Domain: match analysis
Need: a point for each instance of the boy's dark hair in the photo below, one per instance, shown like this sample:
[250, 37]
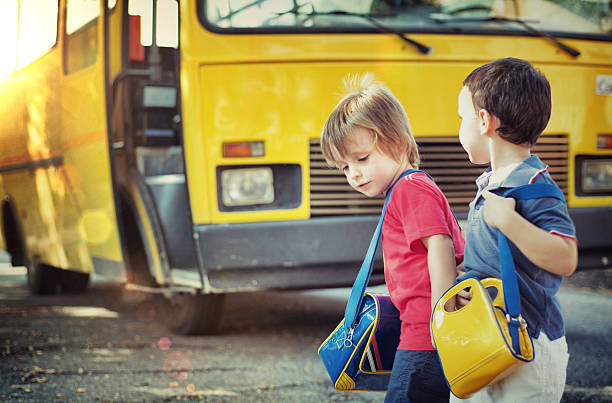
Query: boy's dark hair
[516, 93]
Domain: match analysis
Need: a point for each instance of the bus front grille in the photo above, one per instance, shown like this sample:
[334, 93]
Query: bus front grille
[442, 157]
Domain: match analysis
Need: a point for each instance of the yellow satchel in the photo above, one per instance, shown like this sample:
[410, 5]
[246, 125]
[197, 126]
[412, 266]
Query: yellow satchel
[487, 339]
[473, 360]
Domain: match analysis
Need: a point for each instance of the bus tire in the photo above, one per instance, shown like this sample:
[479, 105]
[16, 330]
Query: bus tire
[12, 232]
[188, 314]
[73, 282]
[42, 278]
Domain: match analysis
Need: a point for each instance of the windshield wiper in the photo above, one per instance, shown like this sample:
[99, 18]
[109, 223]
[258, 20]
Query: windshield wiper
[424, 49]
[444, 18]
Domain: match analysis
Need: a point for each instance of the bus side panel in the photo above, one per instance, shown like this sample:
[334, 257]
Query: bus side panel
[30, 157]
[54, 162]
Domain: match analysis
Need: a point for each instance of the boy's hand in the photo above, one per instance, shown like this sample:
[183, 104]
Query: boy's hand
[463, 297]
[497, 210]
[460, 269]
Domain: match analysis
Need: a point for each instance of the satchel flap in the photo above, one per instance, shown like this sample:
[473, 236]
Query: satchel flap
[381, 345]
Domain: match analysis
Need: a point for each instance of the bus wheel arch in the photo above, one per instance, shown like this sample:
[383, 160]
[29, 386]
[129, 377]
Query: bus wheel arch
[42, 278]
[182, 312]
[11, 230]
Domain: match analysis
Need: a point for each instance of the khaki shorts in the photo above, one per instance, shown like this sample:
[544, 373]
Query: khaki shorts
[539, 381]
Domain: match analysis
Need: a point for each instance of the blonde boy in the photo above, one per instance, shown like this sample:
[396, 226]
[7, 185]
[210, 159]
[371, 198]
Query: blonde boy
[368, 137]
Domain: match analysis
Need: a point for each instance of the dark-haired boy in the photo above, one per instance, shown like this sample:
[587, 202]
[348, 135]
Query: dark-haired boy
[504, 106]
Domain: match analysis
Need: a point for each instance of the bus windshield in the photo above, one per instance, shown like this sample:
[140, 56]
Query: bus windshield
[562, 17]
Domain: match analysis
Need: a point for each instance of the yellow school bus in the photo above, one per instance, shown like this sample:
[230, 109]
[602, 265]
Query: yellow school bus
[173, 146]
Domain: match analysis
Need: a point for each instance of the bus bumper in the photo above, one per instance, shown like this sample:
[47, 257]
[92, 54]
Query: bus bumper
[327, 252]
[594, 233]
[321, 252]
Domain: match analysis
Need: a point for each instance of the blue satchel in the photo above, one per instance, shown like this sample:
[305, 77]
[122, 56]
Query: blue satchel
[359, 353]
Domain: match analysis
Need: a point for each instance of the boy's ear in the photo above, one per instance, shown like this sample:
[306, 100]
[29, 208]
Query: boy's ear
[488, 122]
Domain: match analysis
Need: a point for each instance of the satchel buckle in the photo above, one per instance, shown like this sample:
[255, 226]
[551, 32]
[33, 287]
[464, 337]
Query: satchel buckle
[518, 319]
[348, 340]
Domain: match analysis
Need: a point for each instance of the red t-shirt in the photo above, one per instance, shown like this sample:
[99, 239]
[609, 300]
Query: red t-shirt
[417, 209]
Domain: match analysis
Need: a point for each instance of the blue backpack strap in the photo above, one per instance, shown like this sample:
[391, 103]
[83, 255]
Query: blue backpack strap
[512, 297]
[363, 277]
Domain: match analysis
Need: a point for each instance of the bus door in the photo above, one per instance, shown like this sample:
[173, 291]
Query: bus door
[147, 154]
[86, 167]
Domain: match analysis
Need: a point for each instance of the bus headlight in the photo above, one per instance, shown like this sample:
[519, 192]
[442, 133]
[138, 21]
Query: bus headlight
[596, 175]
[247, 186]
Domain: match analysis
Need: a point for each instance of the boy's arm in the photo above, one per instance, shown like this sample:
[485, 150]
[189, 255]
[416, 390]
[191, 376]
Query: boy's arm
[553, 253]
[441, 264]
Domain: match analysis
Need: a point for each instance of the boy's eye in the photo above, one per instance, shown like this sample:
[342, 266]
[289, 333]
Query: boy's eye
[344, 168]
[364, 158]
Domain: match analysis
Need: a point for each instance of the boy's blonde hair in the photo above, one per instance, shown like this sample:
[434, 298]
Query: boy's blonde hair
[370, 105]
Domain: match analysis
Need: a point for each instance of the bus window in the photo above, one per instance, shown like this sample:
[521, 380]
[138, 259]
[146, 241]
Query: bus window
[81, 34]
[143, 8]
[559, 16]
[79, 13]
[37, 29]
[166, 22]
[8, 35]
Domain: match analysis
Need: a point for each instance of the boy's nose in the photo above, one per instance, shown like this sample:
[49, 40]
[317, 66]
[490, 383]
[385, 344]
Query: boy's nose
[354, 173]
